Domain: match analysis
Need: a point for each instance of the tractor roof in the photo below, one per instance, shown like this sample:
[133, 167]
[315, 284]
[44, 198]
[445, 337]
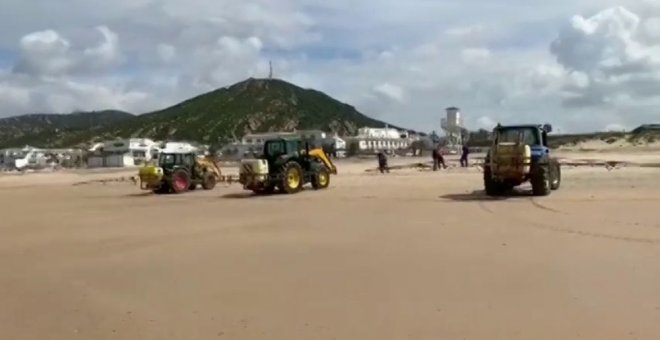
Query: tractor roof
[520, 126]
[547, 128]
[179, 150]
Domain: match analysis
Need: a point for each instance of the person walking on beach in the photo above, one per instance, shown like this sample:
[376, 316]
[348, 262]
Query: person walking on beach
[438, 159]
[382, 162]
[464, 156]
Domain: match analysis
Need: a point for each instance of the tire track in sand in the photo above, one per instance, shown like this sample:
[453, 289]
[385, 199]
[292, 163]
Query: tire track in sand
[537, 204]
[483, 206]
[522, 221]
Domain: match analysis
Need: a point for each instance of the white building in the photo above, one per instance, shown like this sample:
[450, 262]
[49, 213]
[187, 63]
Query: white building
[8, 157]
[36, 158]
[27, 157]
[122, 153]
[370, 140]
[382, 133]
[237, 151]
[317, 138]
[339, 143]
[179, 147]
[260, 138]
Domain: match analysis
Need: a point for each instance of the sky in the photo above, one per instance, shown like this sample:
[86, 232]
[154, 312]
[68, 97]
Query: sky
[581, 65]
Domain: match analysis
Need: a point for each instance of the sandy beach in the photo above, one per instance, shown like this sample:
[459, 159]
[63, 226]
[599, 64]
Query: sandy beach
[407, 255]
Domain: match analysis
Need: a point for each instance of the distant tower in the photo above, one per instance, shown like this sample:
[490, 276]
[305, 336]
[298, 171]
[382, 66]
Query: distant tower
[270, 73]
[452, 125]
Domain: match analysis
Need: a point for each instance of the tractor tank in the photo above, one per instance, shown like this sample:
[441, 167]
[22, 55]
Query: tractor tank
[252, 171]
[512, 160]
[150, 176]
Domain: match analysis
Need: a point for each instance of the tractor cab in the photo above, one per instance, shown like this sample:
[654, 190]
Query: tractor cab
[279, 148]
[278, 151]
[535, 136]
[532, 135]
[170, 161]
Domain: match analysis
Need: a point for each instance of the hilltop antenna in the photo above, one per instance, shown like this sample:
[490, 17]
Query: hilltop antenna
[270, 74]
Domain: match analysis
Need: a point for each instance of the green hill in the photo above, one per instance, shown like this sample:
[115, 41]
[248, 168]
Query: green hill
[53, 129]
[253, 105]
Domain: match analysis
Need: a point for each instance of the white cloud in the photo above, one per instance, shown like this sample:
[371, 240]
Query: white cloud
[44, 52]
[107, 52]
[47, 53]
[607, 43]
[652, 28]
[611, 61]
[485, 123]
[462, 32]
[228, 60]
[473, 55]
[615, 127]
[14, 98]
[57, 95]
[501, 60]
[390, 91]
[166, 52]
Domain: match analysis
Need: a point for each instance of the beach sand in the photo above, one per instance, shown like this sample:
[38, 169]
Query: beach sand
[407, 255]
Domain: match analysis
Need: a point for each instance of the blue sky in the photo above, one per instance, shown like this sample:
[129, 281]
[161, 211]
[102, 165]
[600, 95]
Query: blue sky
[399, 61]
[7, 58]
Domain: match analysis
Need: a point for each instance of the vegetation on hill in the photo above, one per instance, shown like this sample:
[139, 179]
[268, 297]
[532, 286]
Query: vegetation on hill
[253, 105]
[56, 129]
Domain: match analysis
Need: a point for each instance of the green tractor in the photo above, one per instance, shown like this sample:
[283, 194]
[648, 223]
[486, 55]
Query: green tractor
[520, 154]
[179, 170]
[286, 165]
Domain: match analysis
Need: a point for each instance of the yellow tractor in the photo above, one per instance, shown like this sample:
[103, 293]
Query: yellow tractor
[179, 171]
[287, 165]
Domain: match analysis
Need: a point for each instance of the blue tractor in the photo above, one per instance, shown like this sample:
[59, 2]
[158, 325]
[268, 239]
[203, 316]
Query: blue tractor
[519, 154]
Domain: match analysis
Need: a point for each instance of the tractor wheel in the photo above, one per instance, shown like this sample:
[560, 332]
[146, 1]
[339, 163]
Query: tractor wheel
[491, 187]
[292, 178]
[208, 181]
[540, 181]
[556, 177]
[321, 179]
[180, 181]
